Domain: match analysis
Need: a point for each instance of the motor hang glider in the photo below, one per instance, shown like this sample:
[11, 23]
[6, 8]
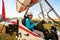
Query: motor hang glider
[23, 32]
[21, 28]
[22, 5]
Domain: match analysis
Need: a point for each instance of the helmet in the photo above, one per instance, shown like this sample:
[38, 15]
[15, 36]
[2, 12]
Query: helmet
[29, 14]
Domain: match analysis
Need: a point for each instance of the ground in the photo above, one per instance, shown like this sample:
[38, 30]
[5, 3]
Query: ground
[4, 36]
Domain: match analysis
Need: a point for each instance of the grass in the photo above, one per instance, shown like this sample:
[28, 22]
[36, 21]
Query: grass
[4, 36]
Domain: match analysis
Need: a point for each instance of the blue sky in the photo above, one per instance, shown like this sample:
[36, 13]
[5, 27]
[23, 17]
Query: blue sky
[10, 7]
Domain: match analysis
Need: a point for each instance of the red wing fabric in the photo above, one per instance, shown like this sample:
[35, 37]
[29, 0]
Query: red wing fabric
[3, 11]
[22, 8]
[33, 1]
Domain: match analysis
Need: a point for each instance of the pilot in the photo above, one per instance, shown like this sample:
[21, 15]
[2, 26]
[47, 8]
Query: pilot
[30, 25]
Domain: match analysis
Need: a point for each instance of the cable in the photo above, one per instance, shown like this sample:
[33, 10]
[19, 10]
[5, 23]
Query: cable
[2, 29]
[41, 8]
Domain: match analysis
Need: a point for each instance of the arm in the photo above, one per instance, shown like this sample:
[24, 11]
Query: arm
[28, 25]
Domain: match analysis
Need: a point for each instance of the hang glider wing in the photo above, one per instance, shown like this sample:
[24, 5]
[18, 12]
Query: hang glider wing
[22, 5]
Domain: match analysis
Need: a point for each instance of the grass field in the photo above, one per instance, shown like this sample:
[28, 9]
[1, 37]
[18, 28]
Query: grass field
[4, 36]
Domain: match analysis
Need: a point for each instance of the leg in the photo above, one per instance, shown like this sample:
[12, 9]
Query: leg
[39, 32]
